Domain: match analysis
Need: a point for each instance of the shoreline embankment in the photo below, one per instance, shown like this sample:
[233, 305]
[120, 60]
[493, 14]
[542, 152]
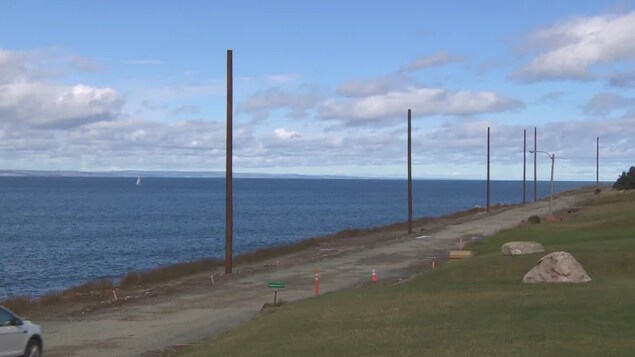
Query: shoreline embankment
[135, 279]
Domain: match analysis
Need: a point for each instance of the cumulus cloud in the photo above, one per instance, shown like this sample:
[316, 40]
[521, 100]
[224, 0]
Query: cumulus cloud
[603, 104]
[27, 99]
[433, 60]
[567, 50]
[40, 104]
[422, 101]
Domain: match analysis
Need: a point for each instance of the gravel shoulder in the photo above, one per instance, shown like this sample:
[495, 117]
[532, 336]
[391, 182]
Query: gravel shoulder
[194, 308]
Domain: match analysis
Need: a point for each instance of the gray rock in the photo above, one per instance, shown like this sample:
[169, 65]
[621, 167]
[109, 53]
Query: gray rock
[521, 248]
[557, 267]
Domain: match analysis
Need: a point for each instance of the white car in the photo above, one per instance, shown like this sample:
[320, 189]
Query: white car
[18, 337]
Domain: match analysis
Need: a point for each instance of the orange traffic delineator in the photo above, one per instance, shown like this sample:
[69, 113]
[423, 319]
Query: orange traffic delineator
[317, 281]
[373, 276]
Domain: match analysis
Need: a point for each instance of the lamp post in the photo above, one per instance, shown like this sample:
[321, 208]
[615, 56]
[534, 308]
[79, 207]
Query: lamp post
[552, 156]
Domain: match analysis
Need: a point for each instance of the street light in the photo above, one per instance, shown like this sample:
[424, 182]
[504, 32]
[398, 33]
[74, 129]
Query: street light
[553, 159]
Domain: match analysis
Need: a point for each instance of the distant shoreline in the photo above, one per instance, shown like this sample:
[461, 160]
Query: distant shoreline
[237, 175]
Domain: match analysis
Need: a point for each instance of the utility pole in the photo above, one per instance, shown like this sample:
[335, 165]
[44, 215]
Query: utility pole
[229, 199]
[409, 171]
[488, 183]
[597, 161]
[524, 166]
[535, 164]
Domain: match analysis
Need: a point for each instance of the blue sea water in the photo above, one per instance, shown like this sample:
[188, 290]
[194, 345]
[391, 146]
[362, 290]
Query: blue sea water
[59, 231]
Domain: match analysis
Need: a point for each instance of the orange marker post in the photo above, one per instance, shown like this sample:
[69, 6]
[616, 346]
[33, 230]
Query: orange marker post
[373, 276]
[317, 281]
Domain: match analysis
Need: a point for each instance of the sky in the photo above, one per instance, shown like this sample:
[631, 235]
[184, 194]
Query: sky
[320, 87]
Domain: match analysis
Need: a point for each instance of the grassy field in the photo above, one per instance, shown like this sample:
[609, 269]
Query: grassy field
[474, 307]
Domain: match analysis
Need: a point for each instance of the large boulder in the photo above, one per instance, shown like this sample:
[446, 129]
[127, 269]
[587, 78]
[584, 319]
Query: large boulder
[521, 248]
[557, 267]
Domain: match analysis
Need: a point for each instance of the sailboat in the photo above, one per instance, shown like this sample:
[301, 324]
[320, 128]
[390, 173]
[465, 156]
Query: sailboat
[138, 180]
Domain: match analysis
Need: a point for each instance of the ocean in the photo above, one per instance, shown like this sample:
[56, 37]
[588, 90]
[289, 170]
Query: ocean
[56, 232]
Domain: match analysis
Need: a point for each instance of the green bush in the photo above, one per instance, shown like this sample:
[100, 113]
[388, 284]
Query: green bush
[533, 219]
[626, 181]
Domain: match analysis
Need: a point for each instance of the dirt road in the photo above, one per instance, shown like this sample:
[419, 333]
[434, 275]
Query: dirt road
[201, 309]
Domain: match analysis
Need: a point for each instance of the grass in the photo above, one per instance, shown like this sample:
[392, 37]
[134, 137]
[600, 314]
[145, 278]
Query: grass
[474, 307]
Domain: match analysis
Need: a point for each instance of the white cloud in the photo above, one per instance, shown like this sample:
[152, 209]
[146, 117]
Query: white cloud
[422, 101]
[27, 99]
[570, 48]
[39, 104]
[286, 134]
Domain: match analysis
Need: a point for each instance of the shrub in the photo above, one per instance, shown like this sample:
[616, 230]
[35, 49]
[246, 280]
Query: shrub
[626, 181]
[533, 219]
[597, 191]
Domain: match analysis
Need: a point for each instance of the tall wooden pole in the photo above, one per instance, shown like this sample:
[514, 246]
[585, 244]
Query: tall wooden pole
[229, 199]
[597, 161]
[409, 171]
[524, 166]
[488, 183]
[535, 164]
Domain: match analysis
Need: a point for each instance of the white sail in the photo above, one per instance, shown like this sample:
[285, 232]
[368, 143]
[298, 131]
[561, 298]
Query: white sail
[138, 180]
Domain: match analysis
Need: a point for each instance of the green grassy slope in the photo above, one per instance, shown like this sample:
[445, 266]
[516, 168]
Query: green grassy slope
[474, 307]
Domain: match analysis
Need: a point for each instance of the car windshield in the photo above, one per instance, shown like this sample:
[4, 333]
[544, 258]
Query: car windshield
[5, 317]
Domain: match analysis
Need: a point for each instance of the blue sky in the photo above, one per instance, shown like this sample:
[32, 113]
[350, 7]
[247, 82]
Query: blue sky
[320, 87]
